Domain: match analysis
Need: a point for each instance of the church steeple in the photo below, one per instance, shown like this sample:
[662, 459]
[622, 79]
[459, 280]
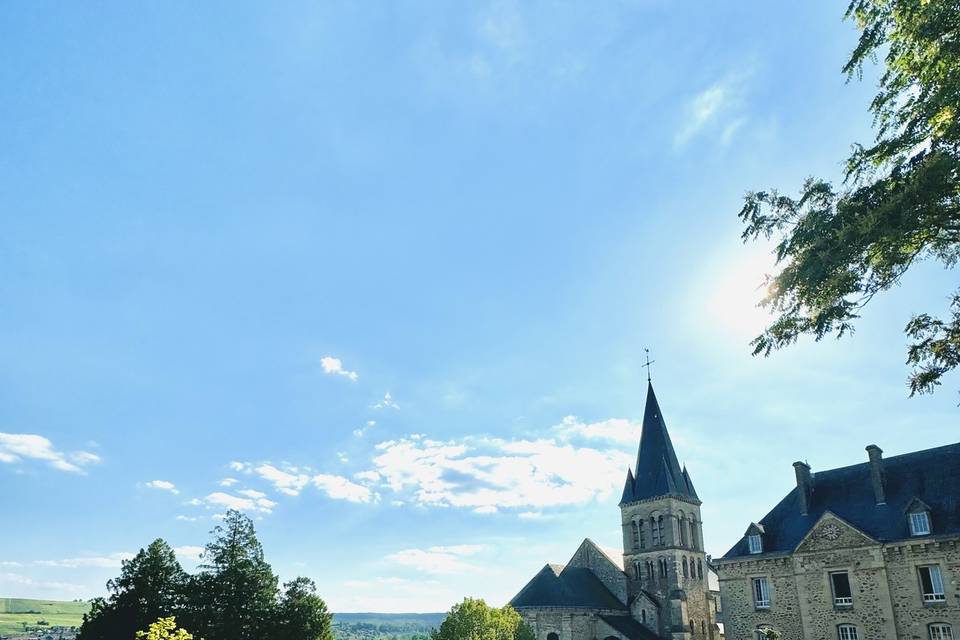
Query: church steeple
[658, 471]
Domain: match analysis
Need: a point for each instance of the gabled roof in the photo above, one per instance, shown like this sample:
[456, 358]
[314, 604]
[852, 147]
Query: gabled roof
[573, 587]
[658, 471]
[630, 628]
[932, 476]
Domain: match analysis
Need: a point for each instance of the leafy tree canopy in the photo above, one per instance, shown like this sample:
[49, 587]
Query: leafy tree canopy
[164, 629]
[899, 203]
[473, 619]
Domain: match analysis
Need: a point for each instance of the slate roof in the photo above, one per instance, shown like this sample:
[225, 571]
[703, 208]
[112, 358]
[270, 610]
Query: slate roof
[574, 587]
[658, 472]
[932, 475]
[630, 627]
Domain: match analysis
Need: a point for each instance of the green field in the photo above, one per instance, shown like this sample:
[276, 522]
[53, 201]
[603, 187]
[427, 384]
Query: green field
[15, 611]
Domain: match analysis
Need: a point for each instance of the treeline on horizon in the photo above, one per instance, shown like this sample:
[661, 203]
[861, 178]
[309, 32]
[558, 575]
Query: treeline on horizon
[234, 596]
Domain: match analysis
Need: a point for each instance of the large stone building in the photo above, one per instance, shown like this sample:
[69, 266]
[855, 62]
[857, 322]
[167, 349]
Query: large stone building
[661, 589]
[869, 551]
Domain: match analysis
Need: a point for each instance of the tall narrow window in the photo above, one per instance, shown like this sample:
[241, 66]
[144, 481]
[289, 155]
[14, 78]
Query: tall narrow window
[683, 531]
[693, 534]
[654, 532]
[634, 529]
[636, 569]
[754, 543]
[699, 568]
[663, 568]
[847, 632]
[920, 523]
[761, 593]
[931, 584]
[940, 631]
[643, 616]
[842, 594]
[660, 530]
[650, 573]
[640, 534]
[683, 562]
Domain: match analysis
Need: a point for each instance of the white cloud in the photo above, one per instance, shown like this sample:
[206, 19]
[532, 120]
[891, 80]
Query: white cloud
[252, 493]
[438, 560]
[362, 430]
[189, 552]
[387, 402]
[618, 430]
[16, 447]
[333, 366]
[367, 476]
[110, 561]
[184, 518]
[219, 499]
[163, 485]
[285, 482]
[713, 108]
[228, 482]
[342, 457]
[340, 488]
[242, 467]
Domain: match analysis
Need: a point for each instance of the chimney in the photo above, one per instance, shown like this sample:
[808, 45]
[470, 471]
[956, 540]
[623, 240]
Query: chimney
[804, 485]
[876, 473]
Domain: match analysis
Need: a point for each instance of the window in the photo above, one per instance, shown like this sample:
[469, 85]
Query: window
[552, 636]
[693, 534]
[753, 542]
[703, 627]
[940, 631]
[931, 584]
[654, 532]
[650, 570]
[636, 569]
[683, 563]
[761, 632]
[635, 533]
[699, 569]
[761, 593]
[643, 616]
[842, 595]
[691, 626]
[660, 530]
[919, 524]
[663, 567]
[683, 530]
[643, 541]
[847, 632]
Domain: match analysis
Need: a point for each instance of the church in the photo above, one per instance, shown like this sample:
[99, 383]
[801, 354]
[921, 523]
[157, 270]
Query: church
[662, 586]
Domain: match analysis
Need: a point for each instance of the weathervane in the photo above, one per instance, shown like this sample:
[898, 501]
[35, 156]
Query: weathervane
[649, 362]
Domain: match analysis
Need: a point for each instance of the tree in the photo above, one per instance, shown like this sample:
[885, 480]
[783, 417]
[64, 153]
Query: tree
[302, 614]
[164, 629]
[236, 592]
[473, 619]
[150, 586]
[899, 203]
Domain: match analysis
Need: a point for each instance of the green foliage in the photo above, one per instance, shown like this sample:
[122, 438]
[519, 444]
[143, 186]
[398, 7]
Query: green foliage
[164, 629]
[473, 619]
[234, 597]
[900, 201]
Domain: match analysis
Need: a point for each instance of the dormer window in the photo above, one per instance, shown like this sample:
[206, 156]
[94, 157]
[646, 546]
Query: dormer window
[920, 523]
[754, 544]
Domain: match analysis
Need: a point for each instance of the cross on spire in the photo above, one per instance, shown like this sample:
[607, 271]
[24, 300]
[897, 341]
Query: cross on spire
[649, 362]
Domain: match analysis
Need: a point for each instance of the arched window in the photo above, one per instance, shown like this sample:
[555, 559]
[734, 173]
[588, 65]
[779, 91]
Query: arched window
[663, 567]
[691, 626]
[940, 631]
[635, 535]
[683, 563]
[654, 532]
[847, 632]
[693, 533]
[643, 616]
[660, 530]
[682, 522]
[643, 538]
[703, 627]
[636, 569]
[699, 568]
[761, 632]
[650, 572]
[552, 636]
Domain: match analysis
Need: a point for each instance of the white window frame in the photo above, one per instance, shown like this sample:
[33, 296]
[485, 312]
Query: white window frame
[940, 631]
[837, 600]
[847, 632]
[936, 581]
[754, 543]
[920, 523]
[761, 593]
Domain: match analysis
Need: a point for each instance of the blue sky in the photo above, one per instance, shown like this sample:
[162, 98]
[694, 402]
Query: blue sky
[382, 276]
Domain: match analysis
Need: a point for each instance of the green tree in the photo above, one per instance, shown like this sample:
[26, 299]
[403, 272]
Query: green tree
[473, 619]
[302, 614]
[837, 247]
[235, 596]
[150, 586]
[164, 629]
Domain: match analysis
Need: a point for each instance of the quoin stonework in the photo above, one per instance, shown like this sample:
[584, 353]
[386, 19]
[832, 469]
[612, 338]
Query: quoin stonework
[865, 552]
[660, 587]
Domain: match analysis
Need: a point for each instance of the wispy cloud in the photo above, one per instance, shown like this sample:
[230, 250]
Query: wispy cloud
[163, 485]
[362, 430]
[109, 561]
[438, 560]
[333, 366]
[715, 109]
[189, 552]
[340, 488]
[219, 499]
[386, 403]
[18, 447]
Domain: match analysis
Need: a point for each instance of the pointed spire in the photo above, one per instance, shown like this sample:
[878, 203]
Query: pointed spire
[658, 471]
[627, 495]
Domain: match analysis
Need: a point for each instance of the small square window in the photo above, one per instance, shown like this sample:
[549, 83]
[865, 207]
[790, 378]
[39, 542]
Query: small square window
[842, 594]
[919, 524]
[754, 544]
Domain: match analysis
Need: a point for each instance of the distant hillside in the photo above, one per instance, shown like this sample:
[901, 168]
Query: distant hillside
[373, 626]
[17, 612]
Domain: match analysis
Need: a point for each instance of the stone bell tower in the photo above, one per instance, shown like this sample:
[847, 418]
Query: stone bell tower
[663, 536]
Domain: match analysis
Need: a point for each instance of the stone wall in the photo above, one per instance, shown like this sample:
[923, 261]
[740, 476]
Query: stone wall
[911, 614]
[740, 615]
[568, 624]
[589, 556]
